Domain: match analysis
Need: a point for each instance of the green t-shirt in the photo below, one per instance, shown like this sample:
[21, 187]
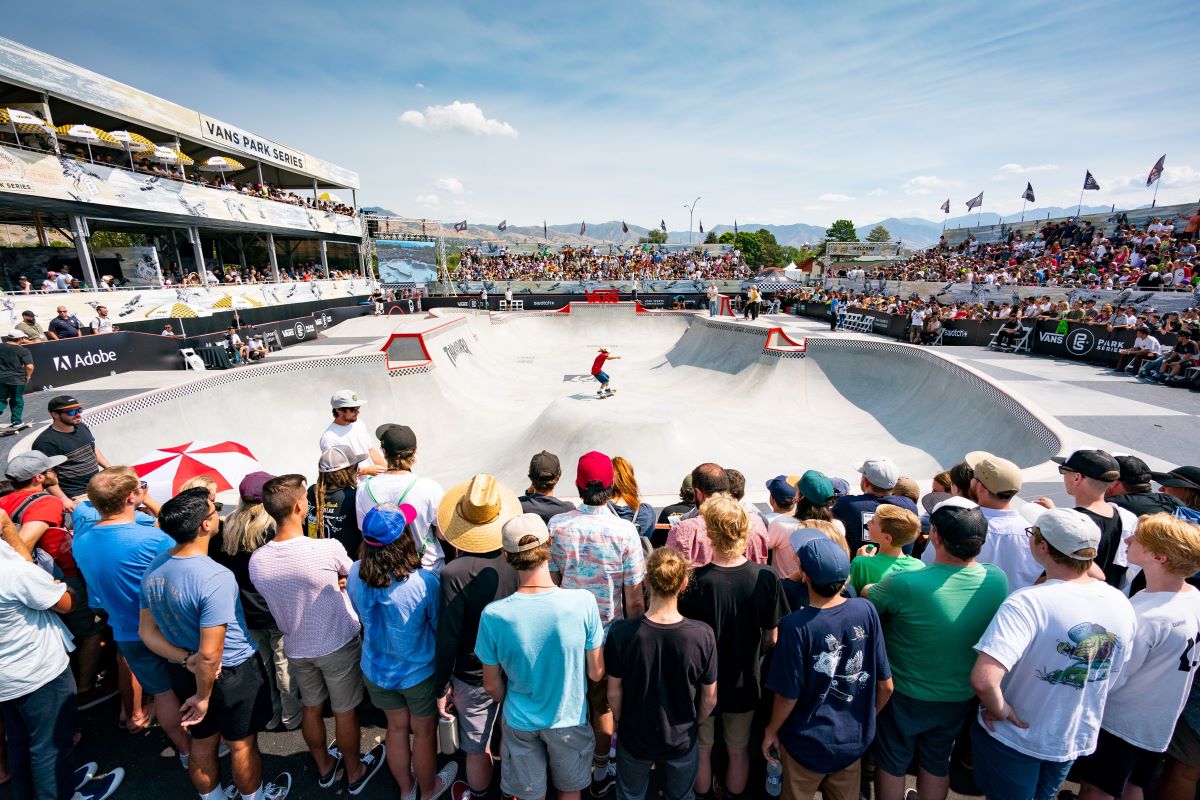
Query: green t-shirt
[932, 619]
[866, 570]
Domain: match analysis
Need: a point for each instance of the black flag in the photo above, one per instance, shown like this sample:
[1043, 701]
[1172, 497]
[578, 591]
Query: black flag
[663, 225]
[582, 228]
[946, 205]
[502, 226]
[735, 227]
[460, 226]
[702, 226]
[1156, 170]
[422, 227]
[545, 230]
[1028, 195]
[624, 227]
[1089, 183]
[975, 202]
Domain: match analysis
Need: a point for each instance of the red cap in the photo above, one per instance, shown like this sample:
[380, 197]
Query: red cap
[594, 466]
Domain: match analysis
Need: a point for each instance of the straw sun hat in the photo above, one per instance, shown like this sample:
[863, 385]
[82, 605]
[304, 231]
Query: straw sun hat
[472, 513]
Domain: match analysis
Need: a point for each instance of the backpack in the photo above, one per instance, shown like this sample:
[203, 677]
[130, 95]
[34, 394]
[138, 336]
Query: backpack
[1188, 515]
[40, 557]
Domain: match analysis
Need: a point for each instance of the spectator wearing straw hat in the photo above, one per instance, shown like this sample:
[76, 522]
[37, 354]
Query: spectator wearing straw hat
[471, 514]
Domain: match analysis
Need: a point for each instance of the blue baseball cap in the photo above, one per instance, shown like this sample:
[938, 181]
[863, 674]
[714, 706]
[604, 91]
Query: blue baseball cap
[781, 490]
[386, 523]
[823, 561]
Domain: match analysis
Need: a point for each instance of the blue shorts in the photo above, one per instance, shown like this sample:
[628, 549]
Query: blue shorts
[601, 376]
[149, 668]
[1003, 773]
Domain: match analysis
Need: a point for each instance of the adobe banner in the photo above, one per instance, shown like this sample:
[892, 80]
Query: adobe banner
[67, 361]
[30, 173]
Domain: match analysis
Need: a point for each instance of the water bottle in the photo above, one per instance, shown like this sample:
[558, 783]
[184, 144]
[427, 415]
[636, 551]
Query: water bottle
[774, 778]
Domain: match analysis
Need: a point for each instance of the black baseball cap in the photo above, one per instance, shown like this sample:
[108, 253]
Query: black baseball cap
[1134, 471]
[1095, 464]
[396, 438]
[544, 466]
[1179, 478]
[63, 402]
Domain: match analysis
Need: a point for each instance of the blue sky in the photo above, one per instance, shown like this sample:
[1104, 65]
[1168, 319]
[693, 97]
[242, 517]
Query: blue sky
[770, 112]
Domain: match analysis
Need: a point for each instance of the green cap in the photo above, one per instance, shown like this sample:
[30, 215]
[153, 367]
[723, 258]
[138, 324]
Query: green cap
[815, 487]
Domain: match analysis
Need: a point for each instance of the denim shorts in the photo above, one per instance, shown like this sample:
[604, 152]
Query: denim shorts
[1003, 773]
[149, 668]
[601, 376]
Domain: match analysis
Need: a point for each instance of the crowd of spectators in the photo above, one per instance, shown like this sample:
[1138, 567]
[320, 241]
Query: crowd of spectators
[843, 630]
[639, 263]
[1159, 256]
[148, 166]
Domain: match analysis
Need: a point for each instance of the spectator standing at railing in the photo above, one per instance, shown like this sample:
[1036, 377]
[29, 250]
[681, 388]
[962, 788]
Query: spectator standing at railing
[16, 368]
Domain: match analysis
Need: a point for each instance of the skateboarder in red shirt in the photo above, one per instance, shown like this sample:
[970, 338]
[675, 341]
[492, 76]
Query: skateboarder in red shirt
[599, 374]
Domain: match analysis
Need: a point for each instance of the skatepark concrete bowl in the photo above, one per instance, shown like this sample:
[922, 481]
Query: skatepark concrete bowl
[485, 392]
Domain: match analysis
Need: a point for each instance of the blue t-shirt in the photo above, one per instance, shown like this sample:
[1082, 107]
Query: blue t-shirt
[113, 560]
[187, 594]
[85, 516]
[399, 627]
[829, 660]
[539, 641]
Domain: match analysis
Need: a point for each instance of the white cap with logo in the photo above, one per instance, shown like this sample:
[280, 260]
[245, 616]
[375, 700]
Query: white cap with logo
[346, 398]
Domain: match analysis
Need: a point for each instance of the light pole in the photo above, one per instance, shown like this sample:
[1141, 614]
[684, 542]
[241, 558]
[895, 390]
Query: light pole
[691, 212]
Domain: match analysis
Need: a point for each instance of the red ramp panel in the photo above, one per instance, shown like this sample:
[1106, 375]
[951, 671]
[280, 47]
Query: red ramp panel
[411, 348]
[780, 343]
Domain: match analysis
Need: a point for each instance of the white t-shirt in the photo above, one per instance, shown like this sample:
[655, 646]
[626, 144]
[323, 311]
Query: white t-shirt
[1007, 547]
[33, 641]
[917, 317]
[1149, 695]
[424, 495]
[353, 435]
[1063, 644]
[102, 325]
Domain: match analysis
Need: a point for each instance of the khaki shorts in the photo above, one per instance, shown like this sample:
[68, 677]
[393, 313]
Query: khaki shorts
[566, 753]
[597, 695]
[735, 727]
[336, 677]
[418, 699]
[799, 782]
[477, 714]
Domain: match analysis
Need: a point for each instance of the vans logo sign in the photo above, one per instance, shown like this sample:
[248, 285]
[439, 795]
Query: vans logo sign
[90, 359]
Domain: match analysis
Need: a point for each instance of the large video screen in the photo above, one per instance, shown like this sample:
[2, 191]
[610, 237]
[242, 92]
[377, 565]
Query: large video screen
[406, 262]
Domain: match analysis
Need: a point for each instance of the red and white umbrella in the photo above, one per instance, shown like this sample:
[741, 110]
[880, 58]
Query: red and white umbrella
[165, 470]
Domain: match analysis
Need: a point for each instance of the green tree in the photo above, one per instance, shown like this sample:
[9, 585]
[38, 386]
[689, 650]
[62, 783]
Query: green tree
[879, 234]
[114, 239]
[842, 230]
[751, 247]
[654, 236]
[725, 238]
[711, 238]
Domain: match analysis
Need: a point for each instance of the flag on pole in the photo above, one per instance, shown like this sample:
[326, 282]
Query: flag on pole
[1157, 170]
[663, 225]
[1089, 183]
[946, 206]
[624, 227]
[460, 226]
[502, 226]
[582, 228]
[702, 226]
[422, 227]
[1028, 195]
[545, 230]
[975, 202]
[735, 227]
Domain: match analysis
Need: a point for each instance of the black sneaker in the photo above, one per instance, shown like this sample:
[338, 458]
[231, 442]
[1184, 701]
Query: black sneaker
[372, 761]
[602, 787]
[102, 787]
[85, 773]
[278, 789]
[329, 778]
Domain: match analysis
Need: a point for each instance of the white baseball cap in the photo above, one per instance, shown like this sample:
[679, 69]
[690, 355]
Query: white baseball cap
[1069, 531]
[346, 398]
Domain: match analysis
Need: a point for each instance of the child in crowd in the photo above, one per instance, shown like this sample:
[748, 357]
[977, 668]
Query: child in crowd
[890, 530]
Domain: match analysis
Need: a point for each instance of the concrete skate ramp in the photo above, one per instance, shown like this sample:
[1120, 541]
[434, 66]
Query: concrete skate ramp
[495, 390]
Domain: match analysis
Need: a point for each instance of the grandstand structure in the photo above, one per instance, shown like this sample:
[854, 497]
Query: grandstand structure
[81, 153]
[1138, 217]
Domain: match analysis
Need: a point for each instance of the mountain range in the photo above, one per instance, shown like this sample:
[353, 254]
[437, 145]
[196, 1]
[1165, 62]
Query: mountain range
[913, 232]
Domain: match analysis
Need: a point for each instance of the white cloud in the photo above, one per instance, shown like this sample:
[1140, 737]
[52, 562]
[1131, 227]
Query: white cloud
[428, 199]
[924, 184]
[418, 86]
[1180, 176]
[876, 193]
[451, 185]
[1017, 169]
[834, 198]
[458, 117]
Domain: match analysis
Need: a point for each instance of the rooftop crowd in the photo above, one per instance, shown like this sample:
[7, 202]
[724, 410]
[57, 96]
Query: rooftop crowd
[847, 629]
[1158, 256]
[105, 157]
